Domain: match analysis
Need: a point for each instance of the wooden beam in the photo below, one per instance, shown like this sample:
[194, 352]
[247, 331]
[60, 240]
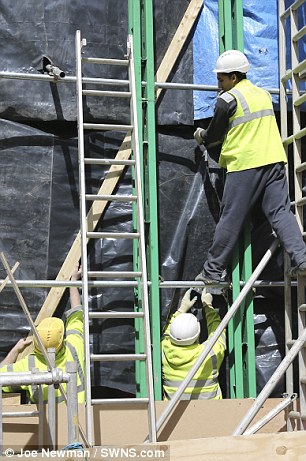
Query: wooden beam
[178, 41]
[286, 446]
[55, 294]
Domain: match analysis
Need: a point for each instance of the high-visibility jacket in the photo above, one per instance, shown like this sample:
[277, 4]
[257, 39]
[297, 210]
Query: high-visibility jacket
[178, 360]
[253, 138]
[71, 351]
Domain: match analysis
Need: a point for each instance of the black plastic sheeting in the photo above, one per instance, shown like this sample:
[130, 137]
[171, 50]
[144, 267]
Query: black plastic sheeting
[39, 177]
[40, 220]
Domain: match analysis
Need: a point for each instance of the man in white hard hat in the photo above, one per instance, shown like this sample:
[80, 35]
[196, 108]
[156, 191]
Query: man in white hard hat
[254, 158]
[181, 348]
[52, 333]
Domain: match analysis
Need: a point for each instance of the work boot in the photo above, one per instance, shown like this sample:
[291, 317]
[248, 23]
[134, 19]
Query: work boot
[214, 285]
[299, 270]
[202, 277]
[208, 280]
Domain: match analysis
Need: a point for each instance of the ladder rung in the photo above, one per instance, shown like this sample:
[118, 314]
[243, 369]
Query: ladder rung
[109, 94]
[113, 274]
[113, 235]
[140, 400]
[301, 202]
[116, 357]
[113, 62]
[106, 161]
[115, 315]
[107, 127]
[112, 198]
[291, 342]
[19, 414]
[297, 415]
[294, 415]
[301, 167]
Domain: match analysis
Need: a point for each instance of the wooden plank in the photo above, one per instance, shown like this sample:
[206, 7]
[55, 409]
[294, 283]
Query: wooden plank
[290, 446]
[285, 446]
[186, 422]
[55, 293]
[178, 41]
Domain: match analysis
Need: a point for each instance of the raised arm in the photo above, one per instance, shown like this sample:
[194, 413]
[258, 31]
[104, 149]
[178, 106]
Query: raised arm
[15, 351]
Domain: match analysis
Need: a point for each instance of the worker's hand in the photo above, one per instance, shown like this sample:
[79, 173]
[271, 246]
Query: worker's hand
[22, 344]
[186, 302]
[206, 298]
[77, 273]
[197, 135]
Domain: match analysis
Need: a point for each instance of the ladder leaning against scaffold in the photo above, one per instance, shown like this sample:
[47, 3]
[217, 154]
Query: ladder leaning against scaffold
[138, 235]
[292, 33]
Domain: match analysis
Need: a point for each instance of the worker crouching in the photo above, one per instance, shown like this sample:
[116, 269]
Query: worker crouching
[181, 349]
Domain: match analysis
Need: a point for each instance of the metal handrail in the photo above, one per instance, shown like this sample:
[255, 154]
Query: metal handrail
[268, 388]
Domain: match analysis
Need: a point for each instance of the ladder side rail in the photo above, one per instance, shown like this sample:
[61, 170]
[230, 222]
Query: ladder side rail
[72, 407]
[284, 135]
[83, 227]
[285, 403]
[51, 405]
[142, 249]
[213, 339]
[298, 181]
[269, 386]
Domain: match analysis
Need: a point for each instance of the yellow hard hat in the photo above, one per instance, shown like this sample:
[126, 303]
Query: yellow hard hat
[51, 333]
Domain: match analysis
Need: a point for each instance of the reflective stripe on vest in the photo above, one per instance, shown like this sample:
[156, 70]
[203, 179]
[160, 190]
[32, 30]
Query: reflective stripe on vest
[74, 354]
[248, 116]
[74, 332]
[193, 383]
[216, 394]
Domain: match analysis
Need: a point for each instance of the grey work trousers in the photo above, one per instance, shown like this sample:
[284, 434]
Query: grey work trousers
[243, 189]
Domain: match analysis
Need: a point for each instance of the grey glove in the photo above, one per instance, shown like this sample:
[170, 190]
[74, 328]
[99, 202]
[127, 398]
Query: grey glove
[187, 303]
[206, 298]
[197, 135]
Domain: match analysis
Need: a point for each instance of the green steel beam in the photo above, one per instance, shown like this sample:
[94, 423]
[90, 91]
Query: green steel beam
[237, 24]
[141, 27]
[150, 181]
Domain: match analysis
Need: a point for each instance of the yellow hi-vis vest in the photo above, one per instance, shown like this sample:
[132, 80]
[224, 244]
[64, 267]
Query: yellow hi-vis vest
[253, 138]
[72, 351]
[178, 360]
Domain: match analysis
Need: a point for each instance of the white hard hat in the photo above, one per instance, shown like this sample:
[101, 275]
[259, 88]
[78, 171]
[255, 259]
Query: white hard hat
[184, 330]
[231, 61]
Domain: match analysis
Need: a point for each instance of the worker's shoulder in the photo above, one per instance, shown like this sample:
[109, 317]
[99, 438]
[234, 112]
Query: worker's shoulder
[78, 310]
[225, 97]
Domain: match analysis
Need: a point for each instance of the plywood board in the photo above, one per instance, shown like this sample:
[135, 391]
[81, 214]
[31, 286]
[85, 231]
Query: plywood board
[128, 424]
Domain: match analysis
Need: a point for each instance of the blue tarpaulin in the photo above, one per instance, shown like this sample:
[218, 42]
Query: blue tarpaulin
[260, 24]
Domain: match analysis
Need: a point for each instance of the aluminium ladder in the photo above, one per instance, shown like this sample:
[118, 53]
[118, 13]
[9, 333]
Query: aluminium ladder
[290, 27]
[138, 236]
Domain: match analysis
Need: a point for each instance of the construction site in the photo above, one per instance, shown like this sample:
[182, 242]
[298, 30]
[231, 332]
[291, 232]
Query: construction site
[108, 212]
